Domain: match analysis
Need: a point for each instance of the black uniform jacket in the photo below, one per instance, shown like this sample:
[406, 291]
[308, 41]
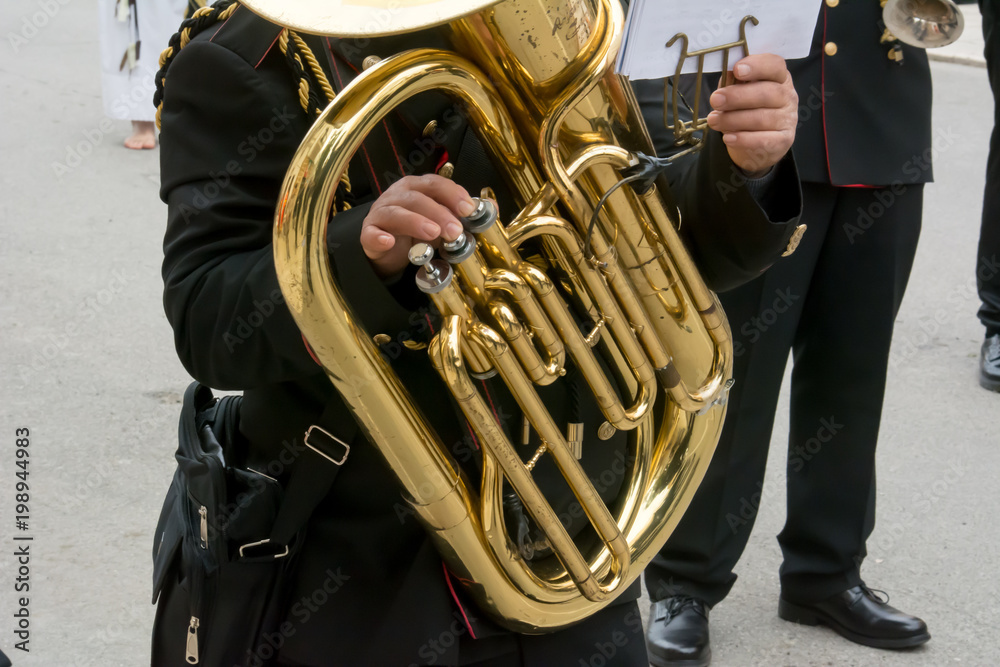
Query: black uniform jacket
[852, 96]
[231, 123]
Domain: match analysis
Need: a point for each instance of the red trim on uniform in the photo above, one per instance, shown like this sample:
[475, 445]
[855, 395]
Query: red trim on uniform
[371, 168]
[238, 7]
[344, 60]
[472, 433]
[440, 163]
[310, 350]
[364, 151]
[822, 60]
[826, 138]
[486, 390]
[465, 617]
[276, 38]
[859, 185]
[385, 126]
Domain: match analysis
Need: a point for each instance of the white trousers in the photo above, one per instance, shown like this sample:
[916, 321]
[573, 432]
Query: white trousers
[128, 93]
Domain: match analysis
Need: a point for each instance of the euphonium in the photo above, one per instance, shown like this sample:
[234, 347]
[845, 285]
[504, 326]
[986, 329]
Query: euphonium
[535, 79]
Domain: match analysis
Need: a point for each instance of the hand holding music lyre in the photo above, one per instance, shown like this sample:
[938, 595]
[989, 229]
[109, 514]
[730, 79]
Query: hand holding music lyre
[758, 117]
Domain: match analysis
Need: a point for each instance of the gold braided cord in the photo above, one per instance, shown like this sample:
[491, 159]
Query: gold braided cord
[186, 35]
[304, 93]
[165, 55]
[193, 6]
[321, 80]
[327, 89]
[185, 38]
[317, 71]
[303, 82]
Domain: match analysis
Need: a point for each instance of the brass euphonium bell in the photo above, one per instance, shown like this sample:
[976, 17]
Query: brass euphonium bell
[925, 24]
[535, 79]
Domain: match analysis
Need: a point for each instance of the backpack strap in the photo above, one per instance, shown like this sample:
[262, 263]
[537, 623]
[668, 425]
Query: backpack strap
[310, 482]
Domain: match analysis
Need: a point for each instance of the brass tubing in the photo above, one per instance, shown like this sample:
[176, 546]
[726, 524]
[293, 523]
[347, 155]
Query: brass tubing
[472, 274]
[352, 361]
[708, 306]
[595, 509]
[514, 333]
[598, 289]
[504, 280]
[541, 203]
[480, 282]
[477, 412]
[595, 377]
[703, 299]
[588, 78]
[450, 301]
[672, 448]
[630, 302]
[496, 245]
[618, 158]
[598, 62]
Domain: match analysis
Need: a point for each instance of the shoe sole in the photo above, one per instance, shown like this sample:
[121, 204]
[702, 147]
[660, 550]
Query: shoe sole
[661, 662]
[987, 382]
[803, 616]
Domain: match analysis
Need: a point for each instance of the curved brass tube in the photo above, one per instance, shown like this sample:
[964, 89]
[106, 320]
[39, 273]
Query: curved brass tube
[670, 448]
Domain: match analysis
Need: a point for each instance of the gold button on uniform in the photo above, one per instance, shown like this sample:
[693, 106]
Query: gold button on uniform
[832, 3]
[370, 61]
[430, 128]
[830, 49]
[447, 170]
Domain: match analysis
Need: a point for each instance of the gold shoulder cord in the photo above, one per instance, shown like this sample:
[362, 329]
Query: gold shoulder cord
[297, 53]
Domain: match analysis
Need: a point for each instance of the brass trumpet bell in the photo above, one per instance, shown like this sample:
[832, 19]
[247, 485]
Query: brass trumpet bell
[925, 24]
[365, 18]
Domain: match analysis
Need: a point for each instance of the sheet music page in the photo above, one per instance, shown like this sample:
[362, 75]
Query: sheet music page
[786, 28]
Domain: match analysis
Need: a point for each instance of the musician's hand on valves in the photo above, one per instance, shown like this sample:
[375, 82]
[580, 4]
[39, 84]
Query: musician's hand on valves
[758, 117]
[413, 209]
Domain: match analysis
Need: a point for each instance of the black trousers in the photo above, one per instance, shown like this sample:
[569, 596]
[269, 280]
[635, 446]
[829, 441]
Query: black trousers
[833, 304]
[987, 267]
[613, 637]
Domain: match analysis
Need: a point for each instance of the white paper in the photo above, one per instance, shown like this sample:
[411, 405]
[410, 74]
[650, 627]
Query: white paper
[786, 29]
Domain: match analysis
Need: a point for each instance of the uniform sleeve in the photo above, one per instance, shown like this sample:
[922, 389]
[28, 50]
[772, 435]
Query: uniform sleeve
[229, 132]
[733, 235]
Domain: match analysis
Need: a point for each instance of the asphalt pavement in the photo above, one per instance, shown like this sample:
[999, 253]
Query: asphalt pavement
[88, 368]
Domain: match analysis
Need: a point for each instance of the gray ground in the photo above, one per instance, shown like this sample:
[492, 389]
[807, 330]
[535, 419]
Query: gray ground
[88, 366]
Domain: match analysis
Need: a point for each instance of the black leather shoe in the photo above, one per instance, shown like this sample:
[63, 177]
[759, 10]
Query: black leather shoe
[989, 364]
[677, 635]
[861, 616]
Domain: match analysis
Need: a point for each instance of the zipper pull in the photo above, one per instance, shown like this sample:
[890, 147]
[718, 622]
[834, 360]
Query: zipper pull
[192, 641]
[203, 512]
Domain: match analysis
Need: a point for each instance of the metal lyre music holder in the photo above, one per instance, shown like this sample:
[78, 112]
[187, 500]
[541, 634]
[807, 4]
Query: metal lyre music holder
[685, 131]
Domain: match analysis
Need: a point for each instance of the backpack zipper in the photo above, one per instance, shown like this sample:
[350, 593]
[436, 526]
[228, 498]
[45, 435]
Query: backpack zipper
[192, 641]
[203, 513]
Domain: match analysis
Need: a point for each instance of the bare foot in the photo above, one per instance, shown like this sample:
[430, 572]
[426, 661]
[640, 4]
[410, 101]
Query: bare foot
[143, 135]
